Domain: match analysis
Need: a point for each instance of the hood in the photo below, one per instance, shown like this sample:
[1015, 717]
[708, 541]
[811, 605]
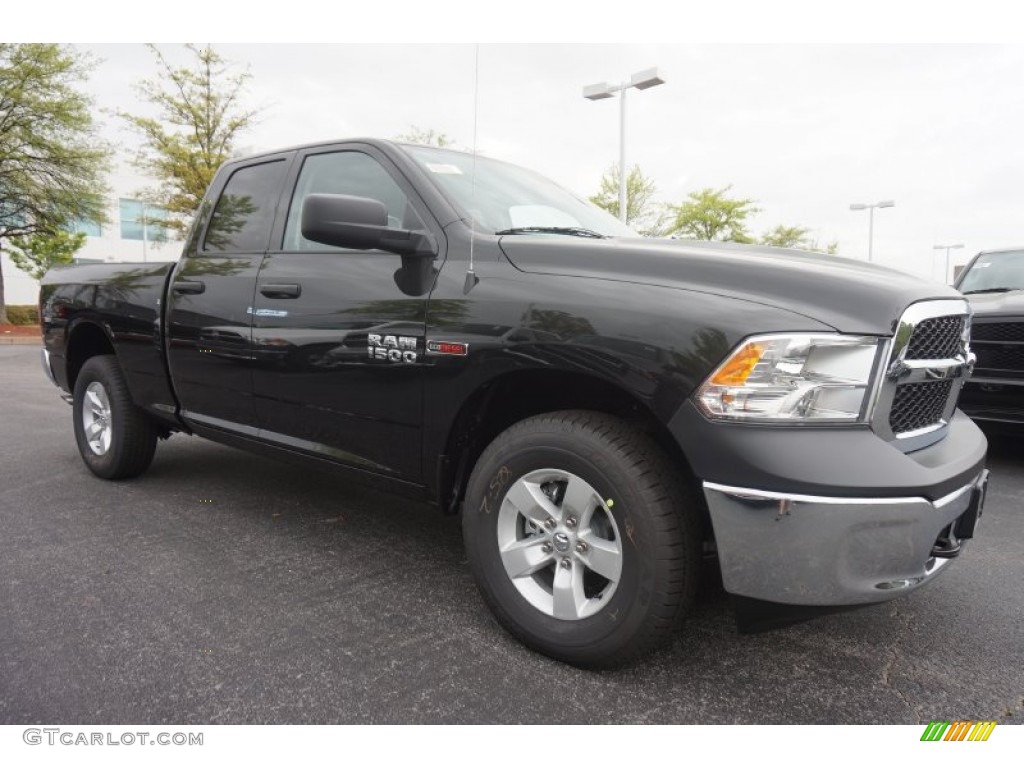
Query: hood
[1009, 303]
[851, 296]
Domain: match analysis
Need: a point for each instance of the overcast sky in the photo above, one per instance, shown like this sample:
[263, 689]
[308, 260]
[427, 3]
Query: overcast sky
[804, 130]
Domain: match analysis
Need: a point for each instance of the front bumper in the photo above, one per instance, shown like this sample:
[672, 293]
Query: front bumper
[828, 516]
[830, 551]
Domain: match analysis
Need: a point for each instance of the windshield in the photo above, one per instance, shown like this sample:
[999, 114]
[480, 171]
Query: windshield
[507, 197]
[994, 271]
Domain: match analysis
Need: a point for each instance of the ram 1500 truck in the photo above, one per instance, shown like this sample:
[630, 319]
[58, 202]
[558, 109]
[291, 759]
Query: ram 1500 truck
[994, 284]
[604, 410]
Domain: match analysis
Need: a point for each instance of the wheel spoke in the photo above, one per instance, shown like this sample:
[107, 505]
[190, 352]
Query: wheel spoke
[91, 430]
[523, 557]
[531, 503]
[602, 556]
[94, 399]
[567, 592]
[579, 498]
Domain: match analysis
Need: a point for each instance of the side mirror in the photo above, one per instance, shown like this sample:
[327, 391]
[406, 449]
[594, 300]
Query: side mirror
[361, 223]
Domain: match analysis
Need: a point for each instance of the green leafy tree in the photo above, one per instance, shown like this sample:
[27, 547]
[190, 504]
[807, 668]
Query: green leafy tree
[200, 118]
[52, 163]
[39, 251]
[785, 237]
[796, 237]
[642, 212]
[417, 135]
[830, 248]
[711, 215]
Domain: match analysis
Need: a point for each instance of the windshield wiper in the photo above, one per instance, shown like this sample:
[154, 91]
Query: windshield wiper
[574, 231]
[992, 290]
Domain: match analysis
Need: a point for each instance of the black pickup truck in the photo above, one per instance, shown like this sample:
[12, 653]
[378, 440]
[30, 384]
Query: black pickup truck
[605, 411]
[994, 284]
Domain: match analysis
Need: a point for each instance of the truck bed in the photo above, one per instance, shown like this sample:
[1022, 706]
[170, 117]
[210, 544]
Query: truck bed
[126, 300]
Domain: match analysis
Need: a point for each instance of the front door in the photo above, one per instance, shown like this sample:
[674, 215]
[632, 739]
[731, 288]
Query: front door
[338, 335]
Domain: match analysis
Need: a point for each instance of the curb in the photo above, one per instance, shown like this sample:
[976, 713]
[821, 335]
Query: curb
[12, 341]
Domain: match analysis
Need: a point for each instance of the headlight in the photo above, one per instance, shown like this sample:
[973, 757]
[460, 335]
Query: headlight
[796, 378]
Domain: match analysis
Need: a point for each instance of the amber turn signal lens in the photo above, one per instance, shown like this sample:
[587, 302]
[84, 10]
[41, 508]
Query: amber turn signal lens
[737, 368]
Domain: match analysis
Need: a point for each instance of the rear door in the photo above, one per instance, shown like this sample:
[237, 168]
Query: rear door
[338, 335]
[209, 313]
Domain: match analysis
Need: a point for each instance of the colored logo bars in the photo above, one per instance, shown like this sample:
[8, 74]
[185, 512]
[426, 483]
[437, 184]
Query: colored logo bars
[958, 730]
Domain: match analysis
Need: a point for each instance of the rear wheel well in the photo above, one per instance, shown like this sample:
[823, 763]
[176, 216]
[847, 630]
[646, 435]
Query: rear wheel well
[87, 340]
[516, 396]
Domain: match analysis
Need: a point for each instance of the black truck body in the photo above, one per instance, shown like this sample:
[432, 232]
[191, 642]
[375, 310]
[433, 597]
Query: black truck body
[437, 351]
[994, 284]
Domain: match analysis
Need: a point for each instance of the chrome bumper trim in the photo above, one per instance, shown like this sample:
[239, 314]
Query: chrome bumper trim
[44, 355]
[824, 550]
[45, 358]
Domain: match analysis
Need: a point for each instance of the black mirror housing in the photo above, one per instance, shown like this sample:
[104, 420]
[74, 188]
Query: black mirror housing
[345, 221]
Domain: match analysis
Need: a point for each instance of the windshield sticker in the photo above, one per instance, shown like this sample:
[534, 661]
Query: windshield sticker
[444, 168]
[983, 264]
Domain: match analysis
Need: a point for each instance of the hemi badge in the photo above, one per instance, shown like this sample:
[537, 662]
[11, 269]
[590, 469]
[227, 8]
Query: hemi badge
[448, 348]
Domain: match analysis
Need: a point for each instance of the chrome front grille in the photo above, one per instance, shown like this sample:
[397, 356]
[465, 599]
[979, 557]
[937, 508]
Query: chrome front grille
[929, 359]
[916, 406]
[937, 338]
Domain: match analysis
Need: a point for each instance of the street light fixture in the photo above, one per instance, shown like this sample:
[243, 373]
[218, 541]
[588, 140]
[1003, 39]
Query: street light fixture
[871, 217]
[947, 248]
[648, 78]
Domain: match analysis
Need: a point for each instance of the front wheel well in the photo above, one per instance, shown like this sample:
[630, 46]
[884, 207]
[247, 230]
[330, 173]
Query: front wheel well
[509, 399]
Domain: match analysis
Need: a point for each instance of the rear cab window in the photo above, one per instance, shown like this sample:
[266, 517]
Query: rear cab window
[244, 214]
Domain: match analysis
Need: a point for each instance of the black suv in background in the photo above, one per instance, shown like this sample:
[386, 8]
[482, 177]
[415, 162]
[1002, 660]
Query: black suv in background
[994, 284]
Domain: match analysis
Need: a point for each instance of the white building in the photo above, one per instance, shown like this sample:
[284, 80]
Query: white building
[129, 234]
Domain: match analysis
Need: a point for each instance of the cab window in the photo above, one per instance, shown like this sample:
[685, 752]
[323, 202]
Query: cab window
[346, 173]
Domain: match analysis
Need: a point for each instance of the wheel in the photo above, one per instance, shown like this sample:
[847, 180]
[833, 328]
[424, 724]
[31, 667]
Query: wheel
[115, 438]
[581, 540]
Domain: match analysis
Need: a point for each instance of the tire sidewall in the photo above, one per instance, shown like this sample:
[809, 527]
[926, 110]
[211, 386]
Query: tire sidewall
[629, 607]
[97, 369]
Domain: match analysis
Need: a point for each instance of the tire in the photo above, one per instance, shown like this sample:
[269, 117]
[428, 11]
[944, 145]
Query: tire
[116, 439]
[590, 608]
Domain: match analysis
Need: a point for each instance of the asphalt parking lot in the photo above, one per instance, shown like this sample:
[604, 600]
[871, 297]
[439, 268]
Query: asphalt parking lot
[226, 588]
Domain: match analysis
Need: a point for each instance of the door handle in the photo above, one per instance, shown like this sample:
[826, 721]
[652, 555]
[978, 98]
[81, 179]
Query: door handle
[189, 286]
[281, 290]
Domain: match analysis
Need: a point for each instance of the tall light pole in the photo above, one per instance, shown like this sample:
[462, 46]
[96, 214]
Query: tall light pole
[948, 248]
[871, 217]
[641, 81]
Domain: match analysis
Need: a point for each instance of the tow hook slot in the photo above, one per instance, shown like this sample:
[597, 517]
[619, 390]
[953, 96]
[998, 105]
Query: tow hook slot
[952, 537]
[947, 545]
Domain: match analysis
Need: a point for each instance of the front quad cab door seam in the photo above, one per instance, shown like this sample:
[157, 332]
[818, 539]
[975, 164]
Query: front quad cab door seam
[581, 540]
